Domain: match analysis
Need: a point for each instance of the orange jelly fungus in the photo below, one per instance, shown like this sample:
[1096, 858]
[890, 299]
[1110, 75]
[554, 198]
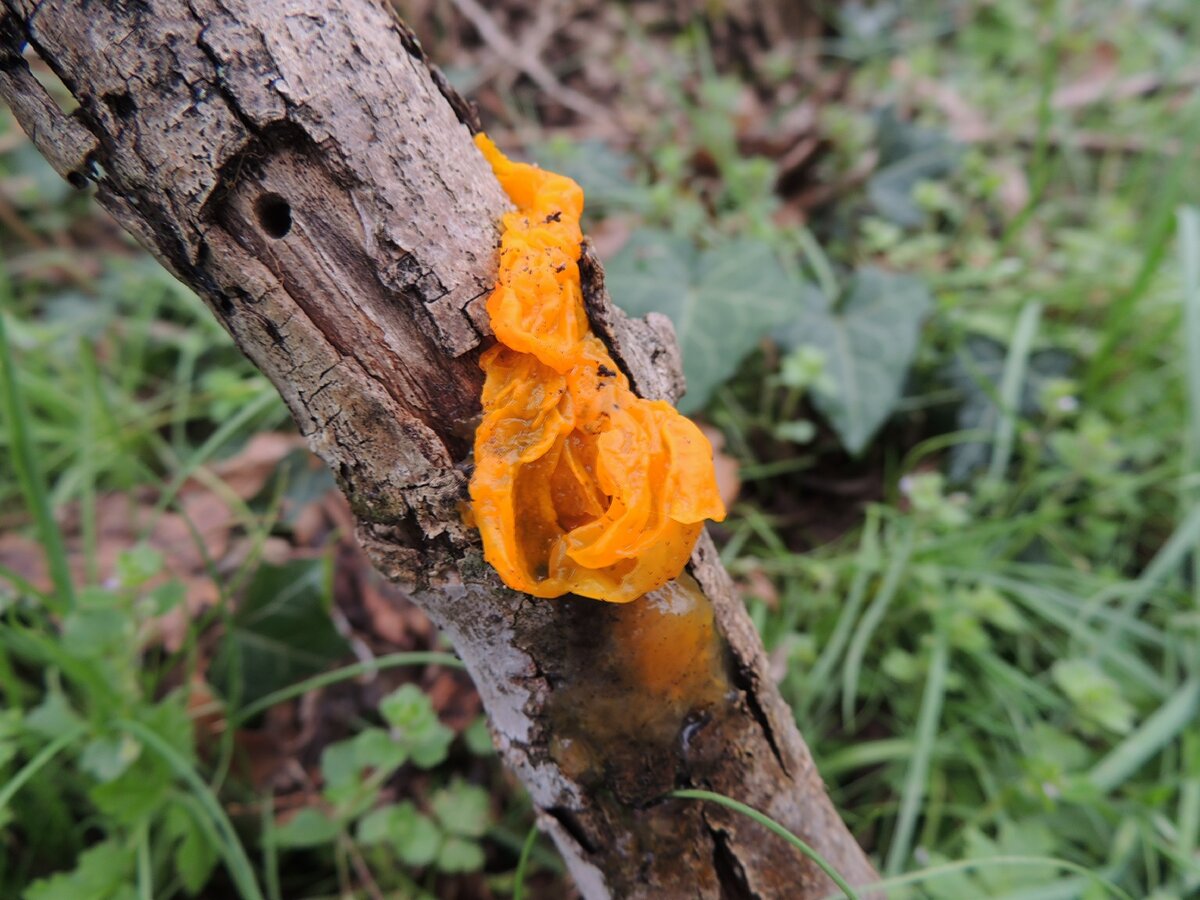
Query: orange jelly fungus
[580, 486]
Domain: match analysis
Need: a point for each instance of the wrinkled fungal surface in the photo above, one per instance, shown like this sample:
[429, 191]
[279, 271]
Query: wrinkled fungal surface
[580, 486]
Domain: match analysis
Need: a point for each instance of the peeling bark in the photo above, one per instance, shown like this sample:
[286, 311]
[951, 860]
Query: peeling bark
[312, 177]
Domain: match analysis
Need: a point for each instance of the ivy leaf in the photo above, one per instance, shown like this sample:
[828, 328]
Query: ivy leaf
[299, 481]
[723, 300]
[869, 336]
[281, 632]
[908, 154]
[600, 170]
[975, 372]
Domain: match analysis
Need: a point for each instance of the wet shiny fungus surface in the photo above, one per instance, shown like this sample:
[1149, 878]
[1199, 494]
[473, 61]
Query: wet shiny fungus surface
[580, 486]
[640, 684]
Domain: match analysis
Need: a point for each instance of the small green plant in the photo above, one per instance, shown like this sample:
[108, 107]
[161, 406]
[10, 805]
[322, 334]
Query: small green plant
[108, 787]
[394, 836]
[98, 735]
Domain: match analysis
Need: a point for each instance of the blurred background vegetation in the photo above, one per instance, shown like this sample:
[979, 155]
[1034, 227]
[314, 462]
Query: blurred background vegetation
[935, 270]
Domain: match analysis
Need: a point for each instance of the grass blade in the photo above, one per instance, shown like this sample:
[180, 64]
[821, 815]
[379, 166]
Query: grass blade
[965, 865]
[28, 473]
[270, 850]
[864, 568]
[870, 621]
[35, 765]
[1011, 382]
[145, 869]
[392, 660]
[770, 824]
[232, 851]
[523, 863]
[1189, 264]
[918, 769]
[1165, 562]
[1155, 733]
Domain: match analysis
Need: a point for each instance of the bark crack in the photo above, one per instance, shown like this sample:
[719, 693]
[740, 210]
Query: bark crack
[746, 681]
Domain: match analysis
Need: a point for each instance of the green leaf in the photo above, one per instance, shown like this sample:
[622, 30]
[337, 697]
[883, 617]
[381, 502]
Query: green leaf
[463, 809]
[376, 826]
[1096, 696]
[339, 765]
[140, 790]
[415, 837]
[376, 749]
[431, 747]
[869, 335]
[280, 633]
[301, 482]
[908, 155]
[599, 170]
[165, 597]
[138, 565]
[308, 828]
[96, 597]
[102, 872]
[105, 758]
[53, 717]
[478, 738]
[975, 373]
[415, 725]
[459, 855]
[799, 431]
[1030, 839]
[194, 855]
[723, 301]
[135, 794]
[97, 633]
[408, 709]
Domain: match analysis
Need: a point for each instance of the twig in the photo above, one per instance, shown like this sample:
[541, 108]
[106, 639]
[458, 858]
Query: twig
[530, 63]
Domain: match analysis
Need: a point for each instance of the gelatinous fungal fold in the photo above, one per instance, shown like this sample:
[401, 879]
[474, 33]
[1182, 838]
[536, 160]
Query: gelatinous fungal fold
[580, 486]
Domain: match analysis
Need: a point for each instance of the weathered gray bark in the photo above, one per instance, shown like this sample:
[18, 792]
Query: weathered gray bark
[300, 165]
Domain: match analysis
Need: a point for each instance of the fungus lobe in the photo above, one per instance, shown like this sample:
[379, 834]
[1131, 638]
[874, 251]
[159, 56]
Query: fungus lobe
[580, 486]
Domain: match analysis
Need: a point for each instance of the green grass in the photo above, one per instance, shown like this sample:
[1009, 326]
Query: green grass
[989, 628]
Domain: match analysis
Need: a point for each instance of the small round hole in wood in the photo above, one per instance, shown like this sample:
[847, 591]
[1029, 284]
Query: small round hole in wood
[274, 215]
